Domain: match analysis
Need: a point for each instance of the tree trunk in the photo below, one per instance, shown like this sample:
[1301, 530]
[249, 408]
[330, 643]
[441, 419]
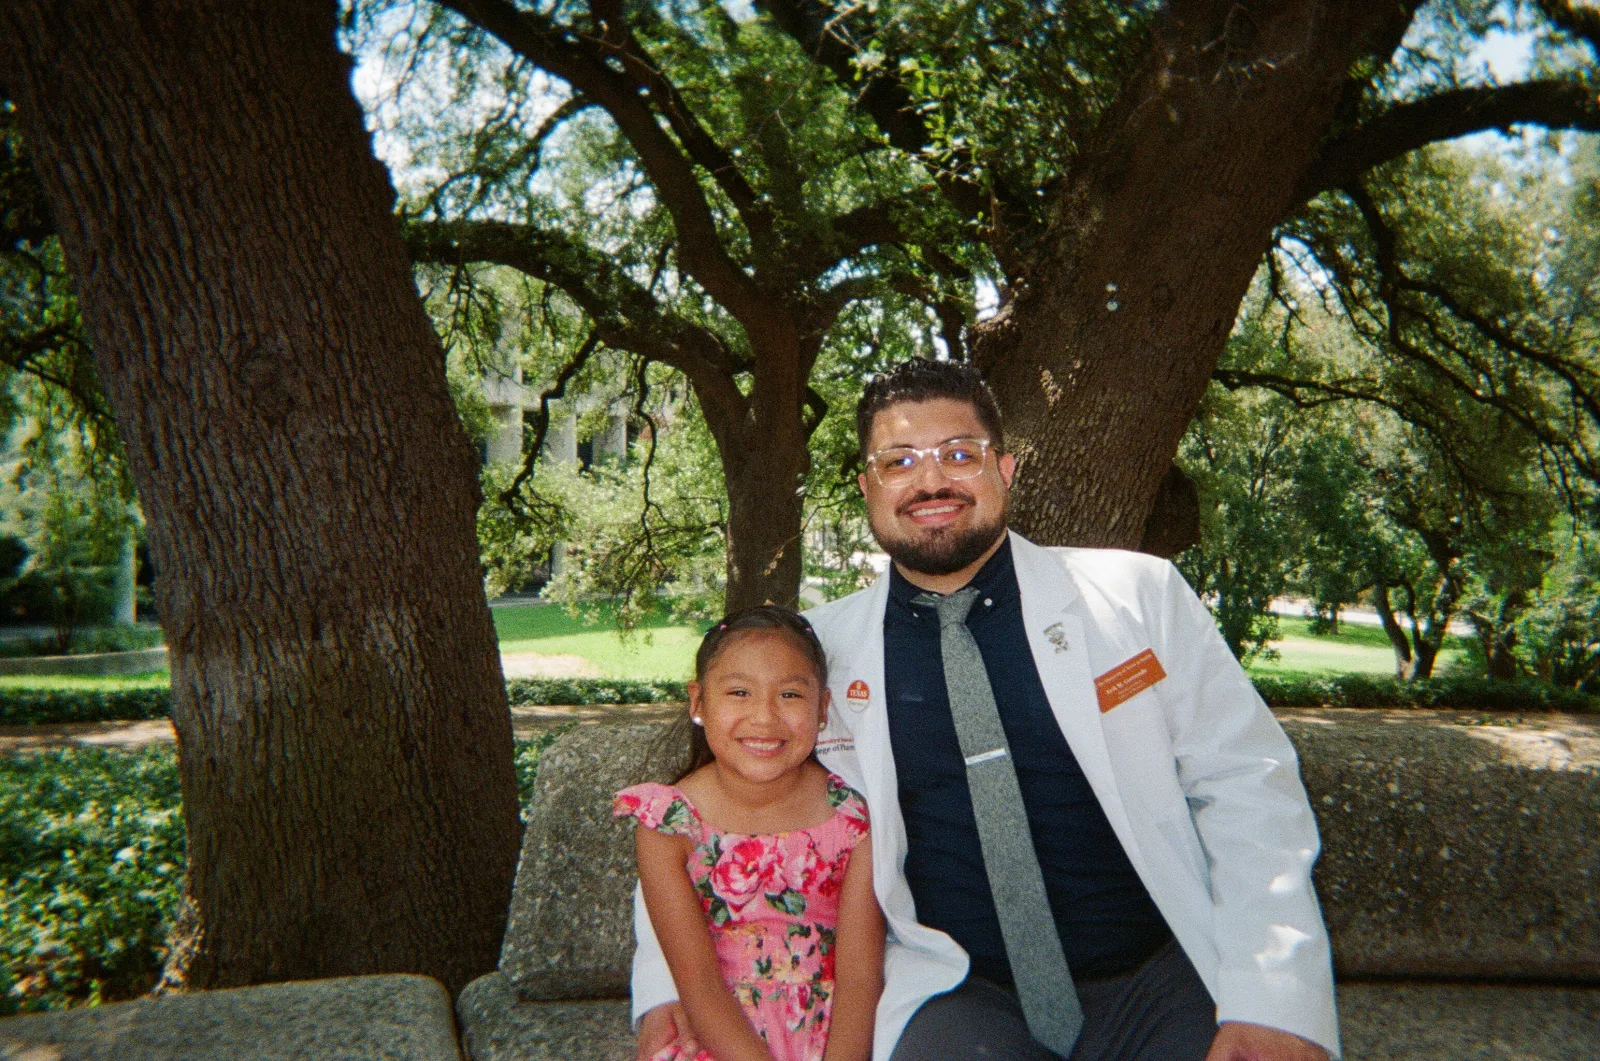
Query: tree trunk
[1100, 360]
[764, 460]
[1403, 662]
[1427, 655]
[344, 742]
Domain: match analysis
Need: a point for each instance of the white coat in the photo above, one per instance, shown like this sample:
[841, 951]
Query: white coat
[1197, 779]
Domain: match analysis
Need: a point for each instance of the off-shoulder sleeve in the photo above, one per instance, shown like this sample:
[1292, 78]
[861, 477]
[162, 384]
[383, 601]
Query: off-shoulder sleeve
[659, 807]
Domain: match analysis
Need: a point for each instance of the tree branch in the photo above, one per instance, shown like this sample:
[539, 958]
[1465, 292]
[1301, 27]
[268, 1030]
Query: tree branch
[1581, 22]
[626, 316]
[829, 35]
[702, 147]
[511, 495]
[1408, 126]
[583, 63]
[1391, 277]
[527, 156]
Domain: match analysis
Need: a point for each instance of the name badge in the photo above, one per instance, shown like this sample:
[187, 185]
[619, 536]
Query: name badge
[1128, 679]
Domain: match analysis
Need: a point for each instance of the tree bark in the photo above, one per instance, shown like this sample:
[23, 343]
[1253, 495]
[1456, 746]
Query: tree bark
[764, 462]
[1103, 353]
[344, 741]
[1404, 664]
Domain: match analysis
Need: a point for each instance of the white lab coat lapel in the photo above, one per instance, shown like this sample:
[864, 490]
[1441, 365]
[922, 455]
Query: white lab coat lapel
[1060, 653]
[856, 655]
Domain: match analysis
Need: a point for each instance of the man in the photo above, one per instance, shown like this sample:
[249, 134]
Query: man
[1141, 798]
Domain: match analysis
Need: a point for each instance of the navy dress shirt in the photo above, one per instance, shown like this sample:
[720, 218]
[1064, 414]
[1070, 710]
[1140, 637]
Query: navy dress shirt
[1108, 923]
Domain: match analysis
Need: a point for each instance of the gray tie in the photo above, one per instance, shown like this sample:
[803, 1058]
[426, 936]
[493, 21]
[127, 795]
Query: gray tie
[1033, 946]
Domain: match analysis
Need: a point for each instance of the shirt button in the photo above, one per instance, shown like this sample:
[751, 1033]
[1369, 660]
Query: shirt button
[988, 602]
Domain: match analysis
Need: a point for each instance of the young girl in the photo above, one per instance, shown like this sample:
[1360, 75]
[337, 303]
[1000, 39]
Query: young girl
[757, 865]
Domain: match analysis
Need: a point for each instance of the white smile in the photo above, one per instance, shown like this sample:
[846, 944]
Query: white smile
[759, 745]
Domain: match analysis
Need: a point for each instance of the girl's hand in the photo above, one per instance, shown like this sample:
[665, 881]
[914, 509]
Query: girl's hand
[709, 1012]
[660, 1027]
[1238, 1041]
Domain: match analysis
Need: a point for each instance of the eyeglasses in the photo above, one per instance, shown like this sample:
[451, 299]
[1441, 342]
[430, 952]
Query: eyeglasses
[960, 458]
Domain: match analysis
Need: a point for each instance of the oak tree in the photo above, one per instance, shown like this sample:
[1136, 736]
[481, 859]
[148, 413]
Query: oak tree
[344, 742]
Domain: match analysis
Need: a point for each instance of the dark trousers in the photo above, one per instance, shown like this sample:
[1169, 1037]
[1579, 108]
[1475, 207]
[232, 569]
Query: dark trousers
[1159, 1012]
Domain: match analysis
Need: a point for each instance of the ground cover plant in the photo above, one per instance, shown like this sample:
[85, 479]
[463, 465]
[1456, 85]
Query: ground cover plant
[91, 871]
[91, 867]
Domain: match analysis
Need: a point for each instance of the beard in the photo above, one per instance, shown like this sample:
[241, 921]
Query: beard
[939, 550]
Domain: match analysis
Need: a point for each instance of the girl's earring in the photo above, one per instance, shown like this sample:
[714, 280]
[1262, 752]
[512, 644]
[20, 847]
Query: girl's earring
[697, 720]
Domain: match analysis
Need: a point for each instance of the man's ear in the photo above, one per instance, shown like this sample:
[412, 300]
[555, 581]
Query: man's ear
[861, 482]
[1008, 467]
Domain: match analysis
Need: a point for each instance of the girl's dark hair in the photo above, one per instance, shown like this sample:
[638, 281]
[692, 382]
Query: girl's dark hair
[750, 620]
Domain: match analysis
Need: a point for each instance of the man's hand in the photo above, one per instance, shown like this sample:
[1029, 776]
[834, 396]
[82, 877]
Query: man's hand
[661, 1026]
[1238, 1041]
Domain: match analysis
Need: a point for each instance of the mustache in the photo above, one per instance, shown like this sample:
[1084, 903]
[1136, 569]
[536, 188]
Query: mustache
[946, 493]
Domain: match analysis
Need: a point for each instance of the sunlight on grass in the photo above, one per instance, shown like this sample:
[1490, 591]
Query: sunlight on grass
[660, 649]
[1355, 649]
[663, 649]
[153, 680]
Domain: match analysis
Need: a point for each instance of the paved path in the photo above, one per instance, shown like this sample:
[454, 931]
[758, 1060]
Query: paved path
[1547, 740]
[525, 722]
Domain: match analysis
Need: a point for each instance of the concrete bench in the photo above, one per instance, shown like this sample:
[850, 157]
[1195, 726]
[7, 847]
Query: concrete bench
[1455, 848]
[357, 1018]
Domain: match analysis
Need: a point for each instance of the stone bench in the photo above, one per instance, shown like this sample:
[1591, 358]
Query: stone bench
[1455, 848]
[357, 1018]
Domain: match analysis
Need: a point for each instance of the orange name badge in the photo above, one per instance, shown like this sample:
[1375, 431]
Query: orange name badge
[1128, 679]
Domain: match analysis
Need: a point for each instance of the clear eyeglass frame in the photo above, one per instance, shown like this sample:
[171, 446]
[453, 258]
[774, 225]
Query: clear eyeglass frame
[948, 456]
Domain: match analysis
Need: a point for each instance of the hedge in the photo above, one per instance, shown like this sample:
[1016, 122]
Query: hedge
[580, 691]
[1467, 694]
[91, 870]
[20, 706]
[23, 706]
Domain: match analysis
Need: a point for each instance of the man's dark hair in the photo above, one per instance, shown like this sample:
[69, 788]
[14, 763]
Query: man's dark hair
[920, 380]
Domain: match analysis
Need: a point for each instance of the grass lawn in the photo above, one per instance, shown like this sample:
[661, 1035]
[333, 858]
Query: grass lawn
[1355, 649]
[660, 648]
[154, 680]
[663, 648]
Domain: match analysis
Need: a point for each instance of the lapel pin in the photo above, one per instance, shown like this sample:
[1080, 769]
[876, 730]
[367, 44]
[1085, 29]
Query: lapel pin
[1057, 636]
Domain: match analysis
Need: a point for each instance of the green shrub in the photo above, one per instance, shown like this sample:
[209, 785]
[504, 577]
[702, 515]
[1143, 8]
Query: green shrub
[91, 871]
[1465, 693]
[86, 639]
[91, 868]
[43, 706]
[24, 705]
[579, 691]
[527, 764]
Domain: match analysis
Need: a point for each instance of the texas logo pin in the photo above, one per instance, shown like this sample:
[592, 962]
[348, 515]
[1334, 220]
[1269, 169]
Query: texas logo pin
[857, 695]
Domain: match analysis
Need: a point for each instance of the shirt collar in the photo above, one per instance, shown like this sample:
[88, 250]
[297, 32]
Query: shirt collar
[997, 575]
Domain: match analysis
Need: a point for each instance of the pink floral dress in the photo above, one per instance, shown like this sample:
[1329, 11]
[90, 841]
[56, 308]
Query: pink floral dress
[772, 903]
